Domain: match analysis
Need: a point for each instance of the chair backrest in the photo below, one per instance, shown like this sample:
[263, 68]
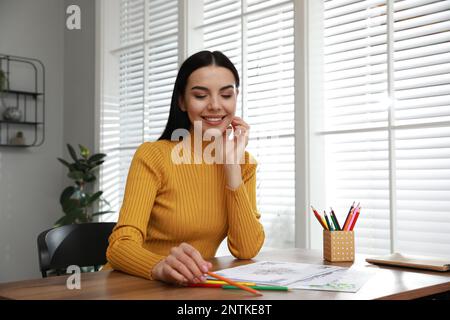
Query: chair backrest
[76, 244]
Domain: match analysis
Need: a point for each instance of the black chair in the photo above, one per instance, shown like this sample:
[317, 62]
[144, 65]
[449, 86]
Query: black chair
[76, 244]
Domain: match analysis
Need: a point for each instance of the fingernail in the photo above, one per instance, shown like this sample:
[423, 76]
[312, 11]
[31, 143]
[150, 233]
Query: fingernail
[205, 268]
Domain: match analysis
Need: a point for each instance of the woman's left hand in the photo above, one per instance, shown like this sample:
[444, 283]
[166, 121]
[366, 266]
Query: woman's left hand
[235, 149]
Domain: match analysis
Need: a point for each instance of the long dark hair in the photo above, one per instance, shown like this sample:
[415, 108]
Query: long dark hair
[179, 119]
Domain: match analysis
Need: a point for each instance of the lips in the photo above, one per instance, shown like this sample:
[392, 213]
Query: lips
[214, 120]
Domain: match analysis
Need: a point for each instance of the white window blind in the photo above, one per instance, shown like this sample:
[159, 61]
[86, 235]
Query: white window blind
[387, 121]
[147, 59]
[258, 36]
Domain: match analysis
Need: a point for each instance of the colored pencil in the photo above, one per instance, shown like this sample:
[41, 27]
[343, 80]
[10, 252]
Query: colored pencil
[334, 222]
[325, 223]
[318, 217]
[330, 226]
[350, 218]
[348, 215]
[223, 282]
[335, 219]
[274, 288]
[231, 282]
[352, 225]
[352, 215]
[205, 285]
[357, 208]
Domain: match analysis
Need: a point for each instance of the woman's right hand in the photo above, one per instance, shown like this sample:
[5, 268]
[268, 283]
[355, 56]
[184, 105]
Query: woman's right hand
[183, 265]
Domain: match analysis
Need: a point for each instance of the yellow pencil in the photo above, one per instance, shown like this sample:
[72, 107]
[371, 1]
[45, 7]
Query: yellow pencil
[223, 282]
[231, 282]
[324, 222]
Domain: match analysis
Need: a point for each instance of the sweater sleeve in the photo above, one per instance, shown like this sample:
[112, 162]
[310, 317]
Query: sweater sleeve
[125, 251]
[245, 232]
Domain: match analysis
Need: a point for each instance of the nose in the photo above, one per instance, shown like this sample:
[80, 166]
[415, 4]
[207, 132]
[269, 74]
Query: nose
[214, 104]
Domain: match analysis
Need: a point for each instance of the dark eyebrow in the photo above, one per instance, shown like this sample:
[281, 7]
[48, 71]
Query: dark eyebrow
[232, 86]
[199, 88]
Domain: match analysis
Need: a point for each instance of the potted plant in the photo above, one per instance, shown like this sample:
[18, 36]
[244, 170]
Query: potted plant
[76, 200]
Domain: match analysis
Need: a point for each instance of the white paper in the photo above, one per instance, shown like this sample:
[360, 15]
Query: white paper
[346, 280]
[299, 275]
[276, 273]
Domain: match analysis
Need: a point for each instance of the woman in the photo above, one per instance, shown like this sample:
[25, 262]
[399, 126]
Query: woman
[174, 216]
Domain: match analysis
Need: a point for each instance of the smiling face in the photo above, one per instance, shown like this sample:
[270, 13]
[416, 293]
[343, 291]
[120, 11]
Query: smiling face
[210, 97]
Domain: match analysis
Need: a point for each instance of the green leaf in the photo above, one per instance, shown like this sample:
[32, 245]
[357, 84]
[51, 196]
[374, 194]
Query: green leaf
[76, 175]
[64, 220]
[89, 177]
[96, 157]
[83, 218]
[69, 218]
[84, 202]
[94, 197]
[82, 162]
[101, 212]
[69, 205]
[66, 194]
[105, 201]
[84, 151]
[64, 162]
[75, 213]
[72, 152]
[94, 165]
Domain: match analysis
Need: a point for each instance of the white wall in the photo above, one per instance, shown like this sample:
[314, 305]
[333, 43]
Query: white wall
[79, 78]
[31, 179]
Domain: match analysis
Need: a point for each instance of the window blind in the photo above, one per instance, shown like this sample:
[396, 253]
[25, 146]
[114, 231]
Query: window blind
[258, 37]
[421, 83]
[387, 128]
[148, 62]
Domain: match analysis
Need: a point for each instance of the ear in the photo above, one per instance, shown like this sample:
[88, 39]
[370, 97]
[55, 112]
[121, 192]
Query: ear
[237, 92]
[181, 103]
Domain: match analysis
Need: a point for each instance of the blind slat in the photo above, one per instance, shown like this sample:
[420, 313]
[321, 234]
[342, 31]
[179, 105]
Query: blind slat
[356, 73]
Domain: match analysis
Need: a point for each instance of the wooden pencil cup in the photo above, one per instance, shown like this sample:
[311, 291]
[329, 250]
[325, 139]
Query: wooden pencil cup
[338, 246]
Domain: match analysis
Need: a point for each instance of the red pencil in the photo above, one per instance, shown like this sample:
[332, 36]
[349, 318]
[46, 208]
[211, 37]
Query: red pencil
[354, 219]
[318, 217]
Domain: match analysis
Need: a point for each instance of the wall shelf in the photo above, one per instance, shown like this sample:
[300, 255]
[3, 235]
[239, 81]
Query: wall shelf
[25, 90]
[27, 93]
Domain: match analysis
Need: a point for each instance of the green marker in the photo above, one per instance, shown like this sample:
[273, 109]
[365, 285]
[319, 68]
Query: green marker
[274, 288]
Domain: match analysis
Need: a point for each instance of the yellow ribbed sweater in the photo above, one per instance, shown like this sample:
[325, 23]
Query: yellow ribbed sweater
[166, 204]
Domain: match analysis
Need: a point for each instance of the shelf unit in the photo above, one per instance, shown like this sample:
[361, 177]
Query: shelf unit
[30, 101]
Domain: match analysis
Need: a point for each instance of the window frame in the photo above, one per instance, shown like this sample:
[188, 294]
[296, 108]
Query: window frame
[190, 41]
[318, 132]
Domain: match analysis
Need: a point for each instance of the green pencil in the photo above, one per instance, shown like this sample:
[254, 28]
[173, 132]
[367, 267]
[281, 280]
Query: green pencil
[275, 288]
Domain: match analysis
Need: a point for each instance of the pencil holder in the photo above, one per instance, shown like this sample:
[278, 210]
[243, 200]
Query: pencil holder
[338, 245]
